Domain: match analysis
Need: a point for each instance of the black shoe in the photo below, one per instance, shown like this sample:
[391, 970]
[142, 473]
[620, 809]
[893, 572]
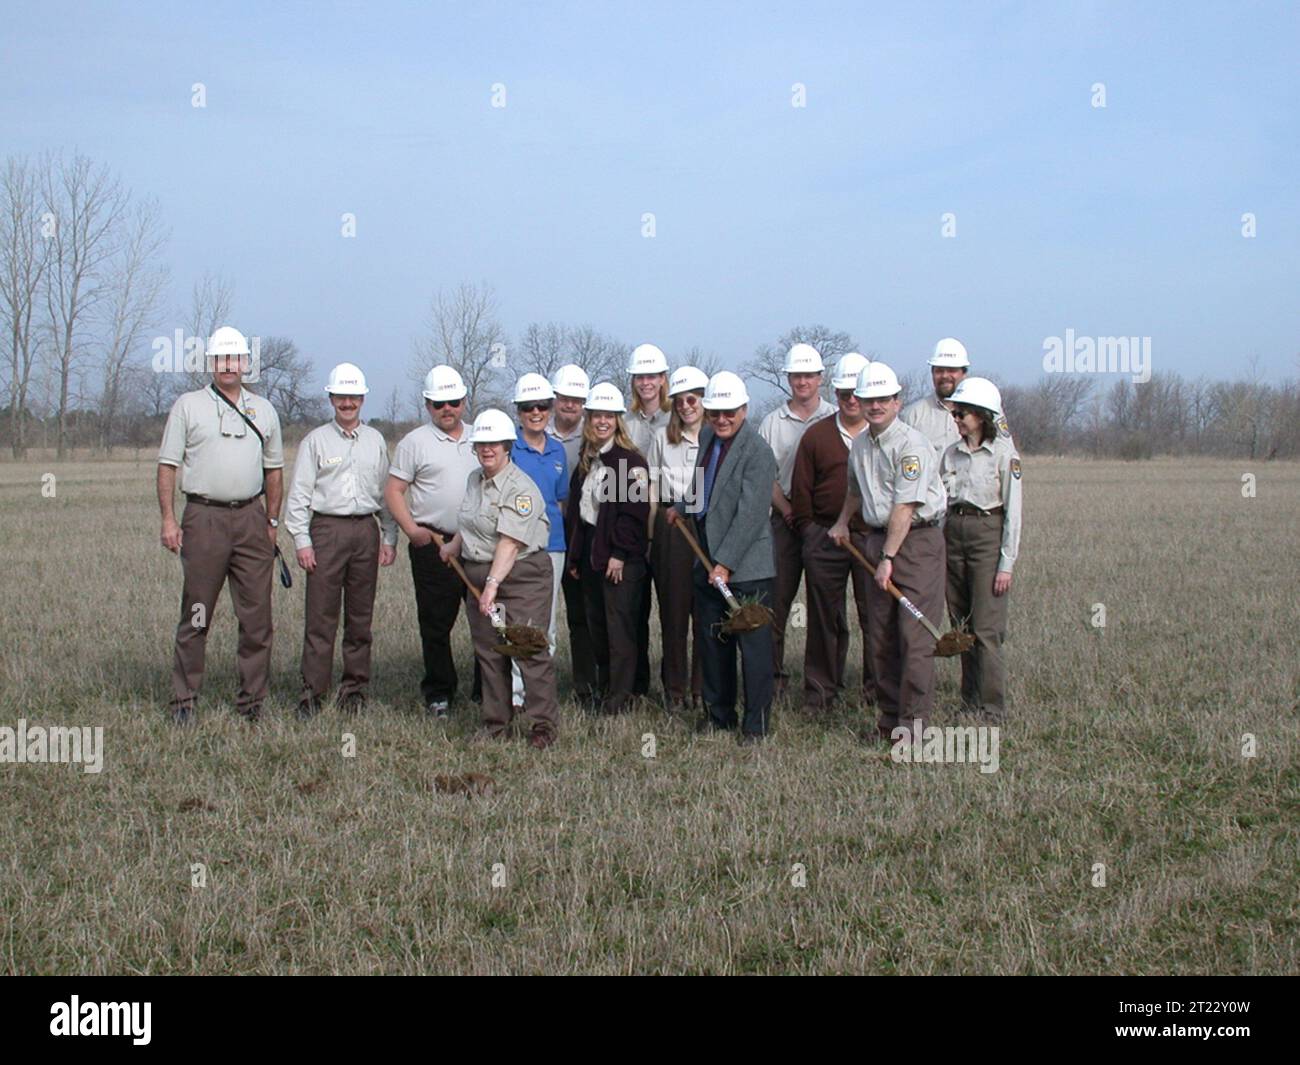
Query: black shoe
[308, 708]
[353, 702]
[751, 739]
[182, 714]
[251, 713]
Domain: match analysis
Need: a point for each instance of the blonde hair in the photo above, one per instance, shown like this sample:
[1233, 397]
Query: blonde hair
[664, 402]
[591, 446]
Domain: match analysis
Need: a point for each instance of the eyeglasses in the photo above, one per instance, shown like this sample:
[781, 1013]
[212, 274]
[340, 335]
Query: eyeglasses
[532, 408]
[438, 404]
[691, 399]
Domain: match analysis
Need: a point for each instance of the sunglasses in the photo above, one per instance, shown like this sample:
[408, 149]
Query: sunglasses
[718, 415]
[532, 408]
[691, 399]
[845, 394]
[961, 412]
[438, 404]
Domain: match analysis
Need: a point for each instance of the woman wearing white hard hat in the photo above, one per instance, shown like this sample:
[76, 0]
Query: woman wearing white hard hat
[502, 537]
[729, 502]
[605, 523]
[981, 473]
[673, 454]
[648, 369]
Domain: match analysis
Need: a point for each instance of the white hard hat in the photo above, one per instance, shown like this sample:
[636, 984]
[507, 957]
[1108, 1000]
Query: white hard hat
[346, 380]
[492, 427]
[646, 358]
[533, 387]
[444, 383]
[687, 379]
[227, 341]
[802, 358]
[571, 381]
[725, 391]
[606, 397]
[848, 369]
[877, 380]
[951, 353]
[977, 392]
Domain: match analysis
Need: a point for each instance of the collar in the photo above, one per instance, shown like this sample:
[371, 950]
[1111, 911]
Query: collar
[354, 435]
[786, 412]
[463, 438]
[984, 445]
[940, 403]
[895, 428]
[554, 433]
[498, 479]
[548, 442]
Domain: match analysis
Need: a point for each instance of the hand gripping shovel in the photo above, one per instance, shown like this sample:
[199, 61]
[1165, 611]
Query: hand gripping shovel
[743, 617]
[946, 644]
[517, 641]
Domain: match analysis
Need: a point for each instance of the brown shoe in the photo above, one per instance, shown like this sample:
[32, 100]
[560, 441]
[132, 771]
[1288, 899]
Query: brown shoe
[540, 740]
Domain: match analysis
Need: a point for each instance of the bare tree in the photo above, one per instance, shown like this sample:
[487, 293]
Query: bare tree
[88, 206]
[463, 332]
[286, 378]
[765, 365]
[134, 291]
[543, 349]
[23, 260]
[210, 303]
[705, 361]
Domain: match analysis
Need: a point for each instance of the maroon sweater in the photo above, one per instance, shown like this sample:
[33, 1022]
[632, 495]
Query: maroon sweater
[821, 477]
[620, 529]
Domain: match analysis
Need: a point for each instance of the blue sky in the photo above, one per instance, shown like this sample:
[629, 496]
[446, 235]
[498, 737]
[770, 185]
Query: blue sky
[1117, 221]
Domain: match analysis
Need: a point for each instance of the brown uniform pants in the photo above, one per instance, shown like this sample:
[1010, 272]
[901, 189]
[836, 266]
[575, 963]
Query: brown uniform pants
[974, 543]
[219, 542]
[787, 554]
[525, 597]
[827, 569]
[901, 648]
[347, 569]
[679, 671]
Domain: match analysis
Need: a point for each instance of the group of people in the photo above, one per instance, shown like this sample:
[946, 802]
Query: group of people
[676, 496]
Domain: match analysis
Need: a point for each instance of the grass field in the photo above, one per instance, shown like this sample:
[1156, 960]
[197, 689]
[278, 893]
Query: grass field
[1124, 747]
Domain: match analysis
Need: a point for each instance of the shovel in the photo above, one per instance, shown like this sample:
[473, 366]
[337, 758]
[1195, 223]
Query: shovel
[517, 641]
[946, 644]
[743, 617]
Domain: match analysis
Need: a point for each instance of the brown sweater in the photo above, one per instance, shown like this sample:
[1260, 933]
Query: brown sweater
[821, 477]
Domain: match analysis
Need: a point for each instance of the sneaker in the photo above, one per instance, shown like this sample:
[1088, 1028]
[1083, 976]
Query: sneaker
[438, 708]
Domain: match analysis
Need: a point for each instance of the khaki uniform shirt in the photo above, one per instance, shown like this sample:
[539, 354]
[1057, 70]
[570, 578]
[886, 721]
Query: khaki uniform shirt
[934, 420]
[437, 467]
[783, 429]
[508, 504]
[642, 429]
[341, 474]
[219, 456]
[572, 443]
[988, 477]
[672, 466]
[898, 466]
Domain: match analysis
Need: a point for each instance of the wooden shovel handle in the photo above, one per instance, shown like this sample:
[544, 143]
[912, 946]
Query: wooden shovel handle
[455, 564]
[895, 592]
[680, 523]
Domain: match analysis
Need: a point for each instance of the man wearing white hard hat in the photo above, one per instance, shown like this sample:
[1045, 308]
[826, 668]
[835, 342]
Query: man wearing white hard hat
[426, 484]
[783, 429]
[335, 494]
[501, 535]
[729, 502]
[981, 474]
[817, 490]
[674, 452]
[571, 386]
[932, 413]
[894, 483]
[542, 458]
[225, 442]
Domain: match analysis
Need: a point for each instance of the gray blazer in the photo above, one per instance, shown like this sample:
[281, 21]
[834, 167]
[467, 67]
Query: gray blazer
[740, 536]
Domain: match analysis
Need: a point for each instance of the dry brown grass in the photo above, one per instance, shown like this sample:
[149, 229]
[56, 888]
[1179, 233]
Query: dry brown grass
[1124, 748]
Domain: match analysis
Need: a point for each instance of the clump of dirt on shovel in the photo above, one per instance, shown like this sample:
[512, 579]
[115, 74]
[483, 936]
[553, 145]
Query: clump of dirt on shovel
[953, 642]
[748, 617]
[521, 641]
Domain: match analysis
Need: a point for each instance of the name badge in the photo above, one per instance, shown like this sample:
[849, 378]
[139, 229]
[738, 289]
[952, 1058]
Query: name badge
[334, 460]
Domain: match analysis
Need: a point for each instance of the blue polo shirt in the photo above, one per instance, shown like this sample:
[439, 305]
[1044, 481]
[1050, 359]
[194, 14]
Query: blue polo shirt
[549, 470]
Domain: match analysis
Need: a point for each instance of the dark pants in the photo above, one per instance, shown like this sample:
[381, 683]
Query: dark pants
[641, 682]
[787, 554]
[613, 614]
[220, 543]
[681, 670]
[347, 570]
[580, 653]
[827, 569]
[719, 655]
[974, 543]
[438, 595]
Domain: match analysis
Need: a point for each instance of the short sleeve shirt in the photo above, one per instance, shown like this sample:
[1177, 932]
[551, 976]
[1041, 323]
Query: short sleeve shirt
[783, 429]
[898, 466]
[934, 421]
[509, 504]
[437, 467]
[988, 477]
[642, 429]
[218, 455]
[548, 469]
[572, 445]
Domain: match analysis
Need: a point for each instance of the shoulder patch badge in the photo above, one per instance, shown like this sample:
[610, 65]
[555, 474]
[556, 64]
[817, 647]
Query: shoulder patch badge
[1015, 468]
[1002, 425]
[523, 505]
[911, 467]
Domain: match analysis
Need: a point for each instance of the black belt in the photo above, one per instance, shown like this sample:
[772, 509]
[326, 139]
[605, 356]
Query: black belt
[915, 525]
[967, 510]
[233, 504]
[346, 517]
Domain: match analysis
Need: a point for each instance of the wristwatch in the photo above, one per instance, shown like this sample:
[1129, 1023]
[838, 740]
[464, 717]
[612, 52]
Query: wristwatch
[885, 556]
[273, 522]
